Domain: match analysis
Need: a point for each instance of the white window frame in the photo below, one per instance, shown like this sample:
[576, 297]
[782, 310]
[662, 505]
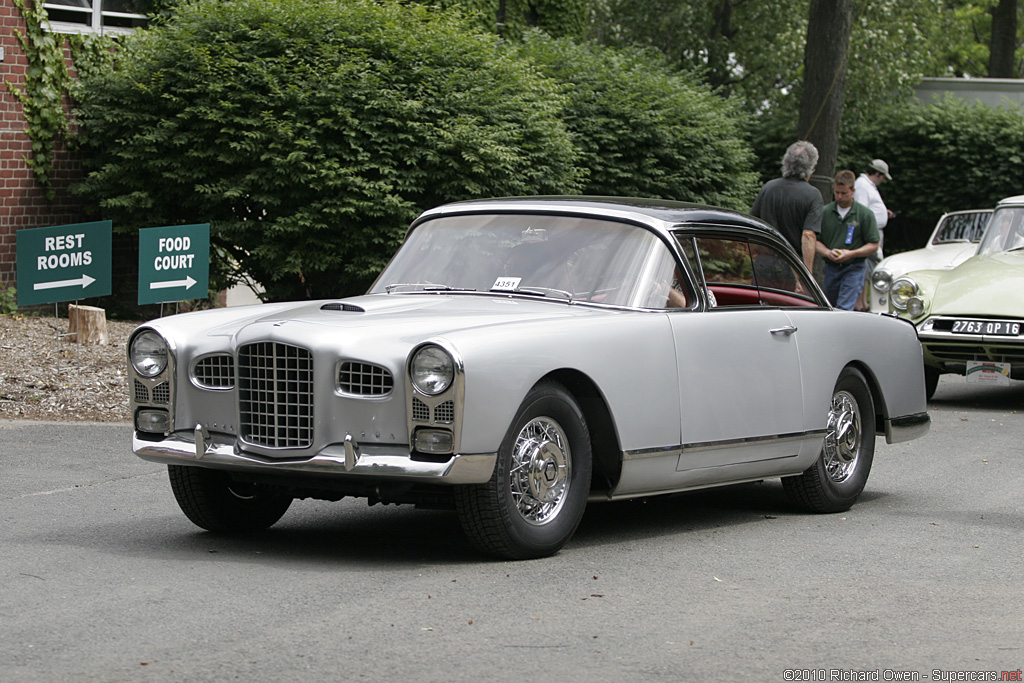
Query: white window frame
[96, 17]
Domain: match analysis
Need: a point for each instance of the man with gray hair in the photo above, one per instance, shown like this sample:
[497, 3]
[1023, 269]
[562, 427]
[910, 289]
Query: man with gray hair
[791, 204]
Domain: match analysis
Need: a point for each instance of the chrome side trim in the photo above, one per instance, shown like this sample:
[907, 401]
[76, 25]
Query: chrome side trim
[391, 462]
[640, 453]
[907, 427]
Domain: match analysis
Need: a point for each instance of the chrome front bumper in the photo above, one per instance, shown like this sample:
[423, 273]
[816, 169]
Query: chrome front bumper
[218, 451]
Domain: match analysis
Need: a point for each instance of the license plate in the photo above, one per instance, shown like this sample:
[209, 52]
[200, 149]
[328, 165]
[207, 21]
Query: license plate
[1003, 328]
[983, 372]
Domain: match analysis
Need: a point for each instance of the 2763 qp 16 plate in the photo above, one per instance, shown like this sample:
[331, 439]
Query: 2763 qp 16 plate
[1003, 328]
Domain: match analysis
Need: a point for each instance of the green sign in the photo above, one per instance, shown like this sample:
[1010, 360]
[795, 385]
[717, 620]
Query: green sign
[63, 263]
[174, 263]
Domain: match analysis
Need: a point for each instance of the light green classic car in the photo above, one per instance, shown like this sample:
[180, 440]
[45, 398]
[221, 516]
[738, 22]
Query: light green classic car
[970, 319]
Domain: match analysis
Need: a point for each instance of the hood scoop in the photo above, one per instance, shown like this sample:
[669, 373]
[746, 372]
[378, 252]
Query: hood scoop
[342, 306]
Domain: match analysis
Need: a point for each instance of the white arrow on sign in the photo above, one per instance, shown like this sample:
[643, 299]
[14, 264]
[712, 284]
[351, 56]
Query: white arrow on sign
[167, 284]
[84, 281]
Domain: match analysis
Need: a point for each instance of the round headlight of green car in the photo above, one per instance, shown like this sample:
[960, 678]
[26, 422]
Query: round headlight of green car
[148, 353]
[915, 307]
[431, 370]
[881, 279]
[902, 289]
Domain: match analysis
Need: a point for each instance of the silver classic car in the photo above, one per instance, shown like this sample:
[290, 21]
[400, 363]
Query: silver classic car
[521, 357]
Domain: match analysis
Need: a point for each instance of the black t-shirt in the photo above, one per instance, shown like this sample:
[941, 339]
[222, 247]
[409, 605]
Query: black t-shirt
[790, 205]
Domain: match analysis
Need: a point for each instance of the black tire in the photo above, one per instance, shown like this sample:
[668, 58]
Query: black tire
[837, 478]
[212, 501]
[931, 382]
[528, 512]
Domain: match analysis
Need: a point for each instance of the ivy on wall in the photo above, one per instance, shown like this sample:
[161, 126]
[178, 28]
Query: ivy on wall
[46, 81]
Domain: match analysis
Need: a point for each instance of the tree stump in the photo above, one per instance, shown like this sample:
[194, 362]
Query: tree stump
[87, 324]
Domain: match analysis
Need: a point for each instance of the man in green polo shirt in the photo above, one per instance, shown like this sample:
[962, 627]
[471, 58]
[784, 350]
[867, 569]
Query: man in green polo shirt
[849, 234]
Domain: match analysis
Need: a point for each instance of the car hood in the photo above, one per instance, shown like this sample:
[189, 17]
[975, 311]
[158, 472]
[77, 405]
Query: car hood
[988, 285]
[937, 257]
[387, 319]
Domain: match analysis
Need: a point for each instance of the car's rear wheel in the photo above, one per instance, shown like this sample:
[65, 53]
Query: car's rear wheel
[931, 382]
[538, 491]
[216, 503]
[837, 478]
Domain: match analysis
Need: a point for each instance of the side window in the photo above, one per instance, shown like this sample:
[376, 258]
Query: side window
[661, 282]
[738, 272]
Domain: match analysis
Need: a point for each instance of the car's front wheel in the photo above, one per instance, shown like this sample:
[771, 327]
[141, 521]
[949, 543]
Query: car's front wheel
[216, 503]
[538, 491]
[837, 478]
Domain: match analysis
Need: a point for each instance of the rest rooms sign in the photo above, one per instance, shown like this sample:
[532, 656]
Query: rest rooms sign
[63, 263]
[174, 263]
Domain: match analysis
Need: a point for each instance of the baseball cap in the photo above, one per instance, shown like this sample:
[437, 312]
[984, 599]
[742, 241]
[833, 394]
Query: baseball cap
[881, 167]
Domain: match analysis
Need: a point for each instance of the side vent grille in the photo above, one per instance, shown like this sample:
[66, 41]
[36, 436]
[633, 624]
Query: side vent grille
[215, 372]
[364, 379]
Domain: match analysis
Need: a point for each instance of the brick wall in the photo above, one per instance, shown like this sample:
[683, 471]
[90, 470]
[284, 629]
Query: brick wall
[23, 201]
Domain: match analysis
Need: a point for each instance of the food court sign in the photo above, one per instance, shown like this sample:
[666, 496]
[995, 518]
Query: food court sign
[174, 263]
[63, 263]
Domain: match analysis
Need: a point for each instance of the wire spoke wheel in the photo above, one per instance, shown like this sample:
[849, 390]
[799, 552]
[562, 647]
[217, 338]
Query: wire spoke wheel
[537, 493]
[837, 478]
[541, 471]
[842, 437]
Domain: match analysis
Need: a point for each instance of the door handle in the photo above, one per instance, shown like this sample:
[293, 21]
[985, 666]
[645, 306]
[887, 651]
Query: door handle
[785, 331]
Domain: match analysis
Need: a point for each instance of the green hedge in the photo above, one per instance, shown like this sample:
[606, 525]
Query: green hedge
[310, 134]
[644, 130]
[946, 156]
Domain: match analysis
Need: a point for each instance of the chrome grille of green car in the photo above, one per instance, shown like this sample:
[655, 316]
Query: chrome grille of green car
[275, 395]
[952, 352]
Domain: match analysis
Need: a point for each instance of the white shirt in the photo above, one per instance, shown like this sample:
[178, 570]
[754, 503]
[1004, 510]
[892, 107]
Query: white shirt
[866, 192]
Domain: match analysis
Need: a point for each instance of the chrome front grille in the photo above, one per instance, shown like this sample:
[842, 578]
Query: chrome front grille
[275, 395]
[443, 413]
[162, 393]
[951, 351]
[420, 411]
[364, 379]
[215, 372]
[141, 392]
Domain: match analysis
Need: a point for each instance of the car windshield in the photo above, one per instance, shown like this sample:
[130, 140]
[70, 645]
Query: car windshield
[962, 227]
[563, 257]
[1005, 231]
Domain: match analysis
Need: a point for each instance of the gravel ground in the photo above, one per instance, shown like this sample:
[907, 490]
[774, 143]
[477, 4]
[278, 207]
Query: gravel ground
[44, 377]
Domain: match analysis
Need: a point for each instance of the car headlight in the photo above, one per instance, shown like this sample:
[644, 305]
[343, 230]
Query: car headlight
[902, 289]
[915, 307]
[148, 353]
[431, 370]
[881, 279]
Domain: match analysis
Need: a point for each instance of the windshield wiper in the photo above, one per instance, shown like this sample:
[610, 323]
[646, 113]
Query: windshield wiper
[427, 287]
[537, 291]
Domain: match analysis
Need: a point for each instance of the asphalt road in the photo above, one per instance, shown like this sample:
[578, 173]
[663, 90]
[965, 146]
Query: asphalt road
[103, 579]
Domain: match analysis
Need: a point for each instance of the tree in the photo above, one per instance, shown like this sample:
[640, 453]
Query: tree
[1001, 60]
[825, 62]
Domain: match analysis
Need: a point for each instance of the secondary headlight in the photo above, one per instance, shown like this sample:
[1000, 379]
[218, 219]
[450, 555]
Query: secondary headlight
[881, 279]
[431, 370]
[915, 307]
[148, 353]
[902, 290]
